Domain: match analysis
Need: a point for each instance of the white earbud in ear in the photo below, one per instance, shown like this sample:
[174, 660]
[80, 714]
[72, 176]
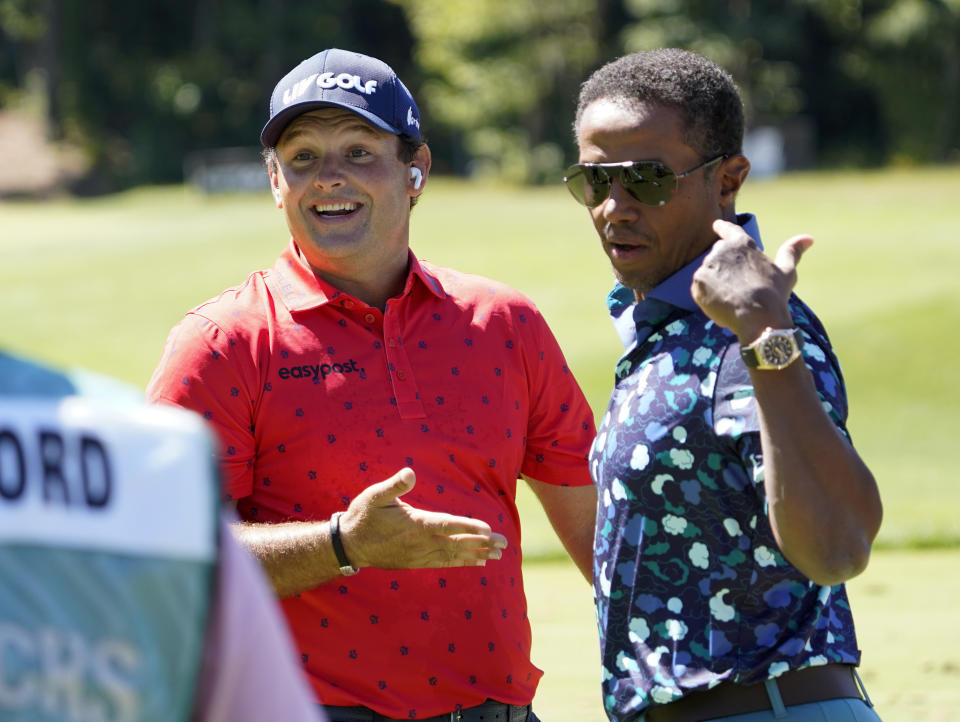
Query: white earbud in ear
[416, 175]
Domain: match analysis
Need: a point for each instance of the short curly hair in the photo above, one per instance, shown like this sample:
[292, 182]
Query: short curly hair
[702, 92]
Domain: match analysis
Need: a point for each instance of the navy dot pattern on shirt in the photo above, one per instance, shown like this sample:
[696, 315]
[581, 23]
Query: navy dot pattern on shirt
[462, 381]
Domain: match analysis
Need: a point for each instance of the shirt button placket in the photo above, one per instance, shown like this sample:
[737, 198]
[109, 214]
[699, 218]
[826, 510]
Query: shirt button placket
[404, 382]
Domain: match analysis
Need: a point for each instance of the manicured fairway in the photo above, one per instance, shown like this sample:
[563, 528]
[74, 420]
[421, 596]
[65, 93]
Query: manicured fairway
[99, 283]
[907, 624]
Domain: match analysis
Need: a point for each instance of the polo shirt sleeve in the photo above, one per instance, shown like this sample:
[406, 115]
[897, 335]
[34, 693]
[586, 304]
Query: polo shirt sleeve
[561, 427]
[735, 413]
[204, 369]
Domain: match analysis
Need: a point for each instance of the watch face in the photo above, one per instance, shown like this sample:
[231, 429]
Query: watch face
[777, 351]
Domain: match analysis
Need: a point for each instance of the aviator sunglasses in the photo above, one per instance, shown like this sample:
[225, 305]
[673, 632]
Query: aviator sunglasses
[649, 181]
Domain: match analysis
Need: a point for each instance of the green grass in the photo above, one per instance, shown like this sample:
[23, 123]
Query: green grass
[99, 283]
[882, 277]
[905, 610]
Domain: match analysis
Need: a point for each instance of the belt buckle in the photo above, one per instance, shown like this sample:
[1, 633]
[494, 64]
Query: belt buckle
[517, 713]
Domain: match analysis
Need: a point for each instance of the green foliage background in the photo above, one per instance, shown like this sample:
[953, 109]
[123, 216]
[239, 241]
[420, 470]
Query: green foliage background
[138, 85]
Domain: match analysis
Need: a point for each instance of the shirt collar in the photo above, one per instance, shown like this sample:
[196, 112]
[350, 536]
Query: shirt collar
[673, 291]
[301, 289]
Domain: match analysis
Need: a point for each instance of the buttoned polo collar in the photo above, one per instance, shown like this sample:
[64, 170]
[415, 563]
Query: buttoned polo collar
[300, 289]
[673, 291]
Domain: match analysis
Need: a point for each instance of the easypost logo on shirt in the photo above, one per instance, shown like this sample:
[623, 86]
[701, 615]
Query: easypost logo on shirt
[325, 81]
[318, 373]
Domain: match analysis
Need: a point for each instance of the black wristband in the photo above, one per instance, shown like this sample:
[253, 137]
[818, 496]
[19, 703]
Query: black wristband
[346, 568]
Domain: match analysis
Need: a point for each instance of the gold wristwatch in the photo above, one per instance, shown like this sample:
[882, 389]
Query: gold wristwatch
[775, 349]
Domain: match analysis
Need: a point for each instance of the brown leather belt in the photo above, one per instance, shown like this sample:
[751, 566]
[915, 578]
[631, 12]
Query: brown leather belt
[489, 711]
[812, 684]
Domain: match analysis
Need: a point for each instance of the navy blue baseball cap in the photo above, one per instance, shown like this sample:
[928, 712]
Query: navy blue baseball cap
[343, 79]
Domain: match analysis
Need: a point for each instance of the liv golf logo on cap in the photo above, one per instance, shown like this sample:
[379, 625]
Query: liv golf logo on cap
[328, 80]
[342, 79]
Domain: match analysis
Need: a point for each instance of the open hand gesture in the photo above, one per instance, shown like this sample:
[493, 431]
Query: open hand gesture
[379, 529]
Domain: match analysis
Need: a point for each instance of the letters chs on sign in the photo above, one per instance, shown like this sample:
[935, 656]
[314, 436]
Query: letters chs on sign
[73, 678]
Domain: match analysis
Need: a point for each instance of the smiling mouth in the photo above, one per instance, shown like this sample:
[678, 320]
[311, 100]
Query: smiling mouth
[332, 210]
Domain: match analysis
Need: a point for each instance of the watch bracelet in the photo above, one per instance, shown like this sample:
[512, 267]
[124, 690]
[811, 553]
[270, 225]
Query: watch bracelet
[751, 355]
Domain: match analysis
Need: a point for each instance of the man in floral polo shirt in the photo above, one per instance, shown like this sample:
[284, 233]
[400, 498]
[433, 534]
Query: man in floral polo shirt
[374, 414]
[732, 504]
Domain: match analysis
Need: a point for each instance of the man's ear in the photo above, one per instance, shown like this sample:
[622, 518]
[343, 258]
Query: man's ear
[731, 175]
[419, 170]
[275, 186]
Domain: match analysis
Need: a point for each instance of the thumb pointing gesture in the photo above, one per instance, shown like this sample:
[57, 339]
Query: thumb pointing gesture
[788, 255]
[743, 289]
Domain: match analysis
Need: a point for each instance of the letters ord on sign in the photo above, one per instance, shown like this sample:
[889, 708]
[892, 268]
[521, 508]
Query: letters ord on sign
[68, 469]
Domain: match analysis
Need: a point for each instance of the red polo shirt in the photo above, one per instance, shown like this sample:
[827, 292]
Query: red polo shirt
[317, 395]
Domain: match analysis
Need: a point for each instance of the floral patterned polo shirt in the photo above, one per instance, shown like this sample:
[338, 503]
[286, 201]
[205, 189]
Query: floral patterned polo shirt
[690, 586]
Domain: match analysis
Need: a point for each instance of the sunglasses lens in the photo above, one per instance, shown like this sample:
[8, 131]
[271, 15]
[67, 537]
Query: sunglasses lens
[653, 184]
[588, 187]
[574, 180]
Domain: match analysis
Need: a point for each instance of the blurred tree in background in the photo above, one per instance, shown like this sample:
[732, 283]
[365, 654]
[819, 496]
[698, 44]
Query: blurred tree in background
[134, 87]
[878, 79]
[500, 76]
[910, 59]
[139, 85]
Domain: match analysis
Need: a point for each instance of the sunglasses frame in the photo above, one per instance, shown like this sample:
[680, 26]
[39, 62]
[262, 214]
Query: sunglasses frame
[619, 171]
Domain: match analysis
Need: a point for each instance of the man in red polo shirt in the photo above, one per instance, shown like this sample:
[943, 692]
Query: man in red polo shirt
[375, 413]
